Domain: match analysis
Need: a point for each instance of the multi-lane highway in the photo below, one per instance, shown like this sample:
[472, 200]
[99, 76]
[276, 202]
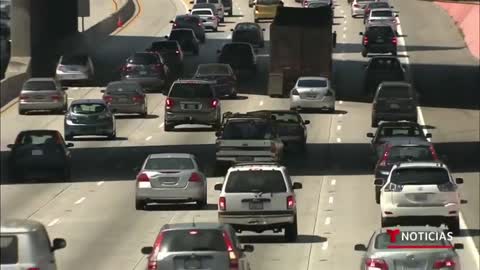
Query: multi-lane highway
[95, 211]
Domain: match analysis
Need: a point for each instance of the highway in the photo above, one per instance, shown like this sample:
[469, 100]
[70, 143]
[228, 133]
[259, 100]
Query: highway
[95, 211]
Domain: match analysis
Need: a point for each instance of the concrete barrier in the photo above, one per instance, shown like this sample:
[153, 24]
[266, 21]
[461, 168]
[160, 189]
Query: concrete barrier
[18, 70]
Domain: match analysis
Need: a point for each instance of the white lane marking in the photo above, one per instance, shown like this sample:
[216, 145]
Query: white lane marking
[325, 245]
[339, 140]
[229, 36]
[328, 220]
[53, 222]
[340, 102]
[345, 22]
[161, 125]
[333, 182]
[339, 127]
[330, 200]
[70, 98]
[148, 138]
[344, 36]
[342, 11]
[261, 103]
[100, 183]
[344, 28]
[340, 115]
[79, 201]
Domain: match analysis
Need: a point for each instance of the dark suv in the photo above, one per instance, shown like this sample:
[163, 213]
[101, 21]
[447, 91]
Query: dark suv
[191, 22]
[379, 38]
[240, 56]
[172, 53]
[146, 68]
[382, 69]
[394, 101]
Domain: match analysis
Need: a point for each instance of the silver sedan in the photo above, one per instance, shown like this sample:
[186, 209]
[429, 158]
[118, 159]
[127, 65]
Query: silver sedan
[170, 178]
[312, 93]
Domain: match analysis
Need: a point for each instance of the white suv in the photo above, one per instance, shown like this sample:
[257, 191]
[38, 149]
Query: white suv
[421, 192]
[259, 197]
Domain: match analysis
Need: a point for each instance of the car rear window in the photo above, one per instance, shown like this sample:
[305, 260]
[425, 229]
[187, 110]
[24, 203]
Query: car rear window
[410, 153]
[169, 164]
[74, 60]
[143, 59]
[123, 88]
[36, 138]
[213, 1]
[187, 19]
[385, 31]
[202, 12]
[213, 70]
[378, 5]
[247, 130]
[312, 83]
[420, 176]
[191, 90]
[246, 27]
[286, 117]
[8, 249]
[39, 85]
[181, 34]
[267, 181]
[382, 241]
[193, 240]
[382, 13]
[394, 92]
[400, 131]
[88, 108]
[166, 45]
[237, 49]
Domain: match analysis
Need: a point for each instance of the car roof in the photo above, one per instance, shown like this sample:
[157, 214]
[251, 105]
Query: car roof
[416, 144]
[186, 16]
[192, 81]
[38, 130]
[275, 111]
[384, 57]
[411, 229]
[379, 24]
[170, 155]
[422, 164]
[201, 9]
[398, 124]
[20, 226]
[193, 226]
[41, 79]
[88, 101]
[398, 83]
[319, 78]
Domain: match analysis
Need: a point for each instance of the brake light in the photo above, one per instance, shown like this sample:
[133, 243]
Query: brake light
[383, 161]
[446, 263]
[143, 177]
[273, 147]
[365, 41]
[214, 103]
[137, 98]
[108, 99]
[376, 264]
[169, 103]
[222, 203]
[434, 153]
[393, 188]
[23, 97]
[231, 252]
[394, 40]
[56, 97]
[152, 259]
[291, 202]
[195, 177]
[33, 268]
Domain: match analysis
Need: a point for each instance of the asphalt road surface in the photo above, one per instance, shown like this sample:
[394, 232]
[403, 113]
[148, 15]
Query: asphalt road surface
[95, 211]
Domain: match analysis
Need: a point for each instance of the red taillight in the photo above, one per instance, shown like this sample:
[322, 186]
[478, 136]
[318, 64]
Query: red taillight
[152, 259]
[442, 264]
[434, 153]
[394, 40]
[291, 202]
[143, 177]
[33, 268]
[195, 177]
[222, 203]
[386, 153]
[376, 264]
[214, 103]
[108, 99]
[23, 97]
[365, 40]
[137, 98]
[56, 97]
[169, 103]
[231, 252]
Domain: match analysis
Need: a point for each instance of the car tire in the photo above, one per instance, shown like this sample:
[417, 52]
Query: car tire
[144, 114]
[69, 137]
[222, 20]
[112, 136]
[291, 231]
[385, 222]
[394, 53]
[257, 20]
[167, 126]
[201, 204]
[140, 205]
[364, 53]
[374, 122]
[230, 12]
[377, 196]
[453, 225]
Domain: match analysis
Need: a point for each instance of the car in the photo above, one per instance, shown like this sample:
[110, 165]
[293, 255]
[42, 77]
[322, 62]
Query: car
[189, 21]
[317, 3]
[195, 245]
[378, 254]
[312, 93]
[192, 102]
[186, 38]
[379, 38]
[420, 193]
[396, 133]
[240, 56]
[401, 153]
[259, 197]
[126, 97]
[265, 9]
[75, 67]
[218, 6]
[36, 150]
[223, 76]
[374, 5]
[88, 117]
[358, 7]
[245, 137]
[146, 68]
[170, 178]
[42, 94]
[290, 125]
[172, 54]
[210, 21]
[25, 244]
[394, 101]
[213, 7]
[382, 69]
[384, 16]
[250, 33]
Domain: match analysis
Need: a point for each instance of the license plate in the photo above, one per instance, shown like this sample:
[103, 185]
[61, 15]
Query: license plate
[255, 205]
[123, 99]
[420, 197]
[143, 73]
[245, 158]
[192, 264]
[394, 106]
[37, 152]
[380, 40]
[191, 106]
[312, 96]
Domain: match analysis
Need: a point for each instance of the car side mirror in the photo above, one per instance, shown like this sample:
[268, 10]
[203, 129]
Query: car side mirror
[171, 22]
[297, 185]
[58, 243]
[360, 247]
[392, 7]
[379, 182]
[428, 135]
[306, 122]
[360, 33]
[396, 16]
[248, 248]
[458, 246]
[218, 186]
[102, 91]
[370, 135]
[64, 88]
[147, 250]
[10, 146]
[459, 180]
[70, 145]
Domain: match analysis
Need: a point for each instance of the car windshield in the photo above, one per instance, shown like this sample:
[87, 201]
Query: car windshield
[74, 60]
[317, 4]
[394, 92]
[247, 130]
[312, 83]
[381, 13]
[400, 131]
[202, 12]
[193, 240]
[268, 2]
[382, 241]
[8, 249]
[39, 85]
[37, 138]
[266, 181]
[92, 108]
[169, 164]
[166, 45]
[410, 153]
[191, 90]
[386, 64]
[213, 70]
[420, 176]
[143, 59]
[123, 88]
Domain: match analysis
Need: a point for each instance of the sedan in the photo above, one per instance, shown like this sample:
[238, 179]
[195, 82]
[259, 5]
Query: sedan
[126, 97]
[170, 178]
[146, 68]
[42, 94]
[312, 93]
[225, 81]
[379, 253]
[384, 16]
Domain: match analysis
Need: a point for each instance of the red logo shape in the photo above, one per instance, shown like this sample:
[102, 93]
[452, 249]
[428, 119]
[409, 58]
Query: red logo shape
[393, 234]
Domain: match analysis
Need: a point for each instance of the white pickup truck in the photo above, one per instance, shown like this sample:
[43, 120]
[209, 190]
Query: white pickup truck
[247, 138]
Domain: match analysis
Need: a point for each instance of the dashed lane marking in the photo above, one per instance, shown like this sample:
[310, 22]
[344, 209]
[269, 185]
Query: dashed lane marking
[100, 183]
[325, 245]
[79, 201]
[328, 220]
[339, 127]
[148, 138]
[330, 200]
[339, 140]
[53, 222]
[333, 182]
